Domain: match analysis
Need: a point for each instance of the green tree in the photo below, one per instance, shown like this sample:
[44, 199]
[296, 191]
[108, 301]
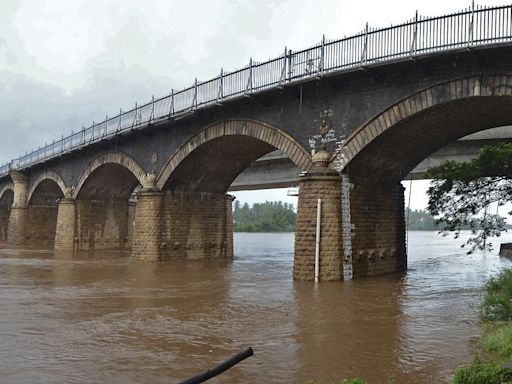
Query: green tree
[264, 217]
[461, 194]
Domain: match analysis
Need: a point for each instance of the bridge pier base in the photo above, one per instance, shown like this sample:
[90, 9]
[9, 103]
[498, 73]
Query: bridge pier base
[182, 225]
[325, 184]
[378, 227]
[147, 229]
[17, 231]
[66, 225]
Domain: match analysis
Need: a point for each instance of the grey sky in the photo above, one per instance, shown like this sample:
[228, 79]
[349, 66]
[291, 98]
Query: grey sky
[64, 63]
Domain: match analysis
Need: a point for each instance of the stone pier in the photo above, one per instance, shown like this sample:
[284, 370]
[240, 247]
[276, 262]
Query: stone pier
[324, 184]
[182, 225]
[17, 230]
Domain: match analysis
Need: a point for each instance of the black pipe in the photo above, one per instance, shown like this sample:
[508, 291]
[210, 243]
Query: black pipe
[220, 368]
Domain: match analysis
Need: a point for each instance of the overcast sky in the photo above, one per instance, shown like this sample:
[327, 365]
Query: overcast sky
[64, 63]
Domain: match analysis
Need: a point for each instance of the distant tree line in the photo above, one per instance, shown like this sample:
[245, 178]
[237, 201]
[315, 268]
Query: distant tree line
[276, 216]
[270, 216]
[420, 220]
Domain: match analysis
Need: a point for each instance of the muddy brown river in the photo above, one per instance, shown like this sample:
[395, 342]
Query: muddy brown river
[104, 319]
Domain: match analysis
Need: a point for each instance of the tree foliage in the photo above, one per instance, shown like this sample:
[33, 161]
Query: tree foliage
[461, 194]
[271, 216]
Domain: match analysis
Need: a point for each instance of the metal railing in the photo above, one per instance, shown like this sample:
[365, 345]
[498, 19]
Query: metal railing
[473, 26]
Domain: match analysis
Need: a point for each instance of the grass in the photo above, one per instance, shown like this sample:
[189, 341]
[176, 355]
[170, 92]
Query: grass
[497, 303]
[479, 372]
[497, 341]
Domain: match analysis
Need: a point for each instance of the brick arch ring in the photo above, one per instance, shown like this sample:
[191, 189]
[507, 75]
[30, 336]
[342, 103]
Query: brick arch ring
[239, 127]
[111, 158]
[49, 175]
[5, 188]
[478, 86]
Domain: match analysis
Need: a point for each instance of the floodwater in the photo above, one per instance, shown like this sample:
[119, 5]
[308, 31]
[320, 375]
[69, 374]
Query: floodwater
[104, 319]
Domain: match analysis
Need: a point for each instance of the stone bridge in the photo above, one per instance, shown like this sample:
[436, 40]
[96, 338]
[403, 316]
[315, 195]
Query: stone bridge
[160, 188]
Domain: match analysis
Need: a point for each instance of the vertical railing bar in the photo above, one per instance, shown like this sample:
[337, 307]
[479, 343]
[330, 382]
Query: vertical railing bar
[290, 70]
[283, 71]
[471, 20]
[322, 55]
[220, 93]
[363, 55]
[151, 116]
[248, 88]
[135, 116]
[194, 100]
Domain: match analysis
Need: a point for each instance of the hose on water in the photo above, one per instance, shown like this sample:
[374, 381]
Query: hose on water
[219, 368]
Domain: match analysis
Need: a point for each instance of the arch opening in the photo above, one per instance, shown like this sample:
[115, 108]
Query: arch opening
[104, 210]
[197, 212]
[6, 201]
[42, 211]
[380, 154]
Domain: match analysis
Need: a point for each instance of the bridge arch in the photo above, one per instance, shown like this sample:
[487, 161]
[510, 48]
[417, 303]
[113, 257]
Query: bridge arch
[392, 143]
[6, 200]
[120, 161]
[384, 150]
[6, 189]
[104, 213]
[44, 178]
[251, 135]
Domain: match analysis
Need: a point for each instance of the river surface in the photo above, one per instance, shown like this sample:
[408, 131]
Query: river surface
[104, 319]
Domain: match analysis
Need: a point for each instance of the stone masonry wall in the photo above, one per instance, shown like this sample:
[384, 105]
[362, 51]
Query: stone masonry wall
[131, 221]
[4, 224]
[327, 188]
[66, 225]
[378, 238]
[102, 225]
[41, 225]
[17, 226]
[196, 226]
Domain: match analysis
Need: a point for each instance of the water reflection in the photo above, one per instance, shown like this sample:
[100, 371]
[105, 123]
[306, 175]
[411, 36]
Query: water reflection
[102, 318]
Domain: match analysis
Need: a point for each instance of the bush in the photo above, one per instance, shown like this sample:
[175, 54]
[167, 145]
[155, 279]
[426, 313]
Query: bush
[479, 372]
[497, 303]
[498, 341]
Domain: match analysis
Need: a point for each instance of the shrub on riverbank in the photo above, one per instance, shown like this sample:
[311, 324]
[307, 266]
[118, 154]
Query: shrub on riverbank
[479, 372]
[497, 303]
[496, 311]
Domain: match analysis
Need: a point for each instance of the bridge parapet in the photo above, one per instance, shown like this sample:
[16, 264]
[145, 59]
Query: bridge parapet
[472, 27]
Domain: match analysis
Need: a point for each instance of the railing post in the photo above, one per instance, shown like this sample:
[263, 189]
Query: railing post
[363, 55]
[135, 116]
[322, 55]
[120, 120]
[171, 107]
[414, 35]
[220, 94]
[151, 117]
[248, 88]
[471, 22]
[283, 71]
[106, 125]
[92, 133]
[194, 101]
[290, 69]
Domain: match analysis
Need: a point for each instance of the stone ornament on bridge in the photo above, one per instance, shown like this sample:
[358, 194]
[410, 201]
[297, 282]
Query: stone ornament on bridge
[68, 192]
[150, 182]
